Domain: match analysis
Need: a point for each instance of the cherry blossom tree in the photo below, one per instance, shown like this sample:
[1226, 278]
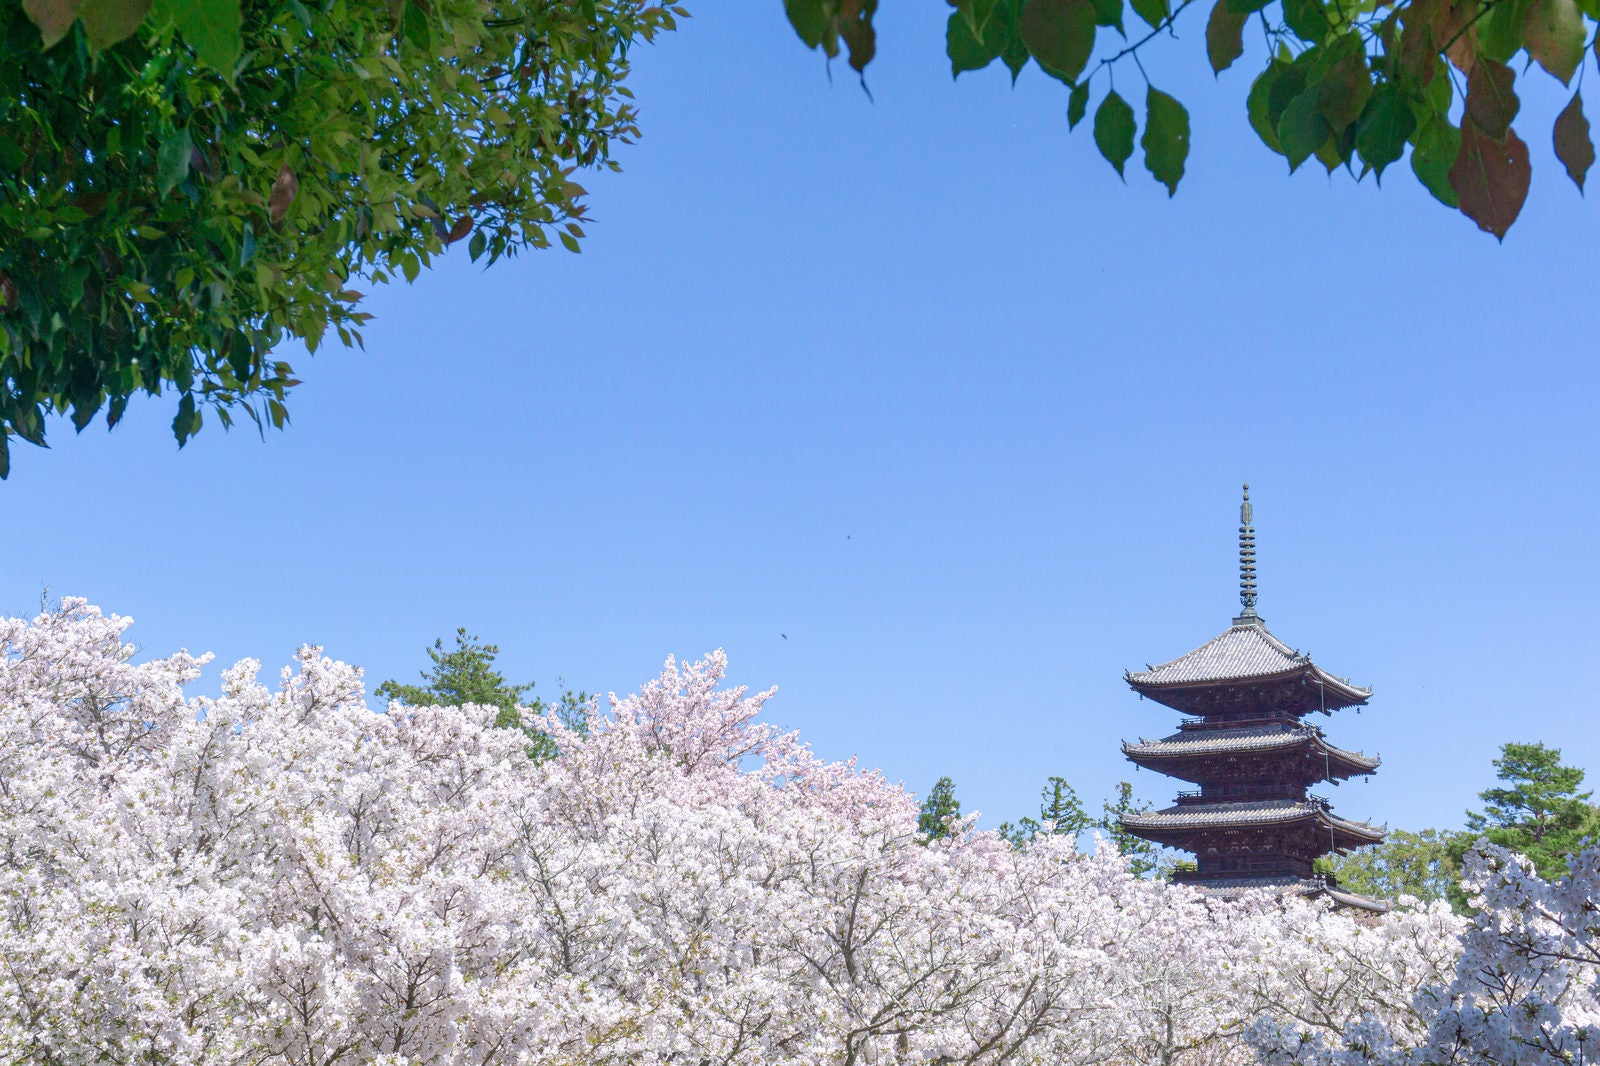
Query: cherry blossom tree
[1524, 990]
[281, 874]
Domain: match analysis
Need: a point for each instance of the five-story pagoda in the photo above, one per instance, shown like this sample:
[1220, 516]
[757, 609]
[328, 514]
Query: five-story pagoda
[1250, 823]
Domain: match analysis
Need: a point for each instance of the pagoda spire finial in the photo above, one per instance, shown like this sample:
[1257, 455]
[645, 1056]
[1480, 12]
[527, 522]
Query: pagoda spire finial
[1247, 563]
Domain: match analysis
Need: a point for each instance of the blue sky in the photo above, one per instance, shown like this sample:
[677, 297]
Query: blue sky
[921, 384]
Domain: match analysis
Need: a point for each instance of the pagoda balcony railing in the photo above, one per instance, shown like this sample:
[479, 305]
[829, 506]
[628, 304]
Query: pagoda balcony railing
[1238, 794]
[1244, 719]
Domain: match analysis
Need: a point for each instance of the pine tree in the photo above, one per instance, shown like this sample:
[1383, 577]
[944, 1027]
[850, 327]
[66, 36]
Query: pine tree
[1538, 811]
[1144, 857]
[938, 809]
[1059, 808]
[468, 675]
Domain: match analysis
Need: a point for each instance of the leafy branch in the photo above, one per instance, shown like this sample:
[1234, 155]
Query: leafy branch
[1355, 84]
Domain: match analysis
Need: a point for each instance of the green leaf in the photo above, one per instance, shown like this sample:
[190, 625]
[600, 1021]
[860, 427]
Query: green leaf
[1291, 84]
[569, 242]
[241, 357]
[1109, 13]
[809, 19]
[1573, 146]
[1154, 12]
[1059, 34]
[1005, 30]
[1433, 153]
[1114, 129]
[976, 14]
[1077, 104]
[1500, 31]
[5, 456]
[187, 420]
[966, 51]
[1307, 19]
[1224, 36]
[29, 426]
[1490, 177]
[415, 25]
[1438, 96]
[1258, 104]
[1303, 127]
[1335, 152]
[1491, 99]
[1246, 7]
[105, 22]
[172, 160]
[1553, 34]
[53, 17]
[1384, 128]
[247, 244]
[476, 245]
[1166, 138]
[213, 28]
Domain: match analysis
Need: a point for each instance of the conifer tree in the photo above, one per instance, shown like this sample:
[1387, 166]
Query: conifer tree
[938, 809]
[1144, 857]
[1059, 808]
[1537, 811]
[467, 674]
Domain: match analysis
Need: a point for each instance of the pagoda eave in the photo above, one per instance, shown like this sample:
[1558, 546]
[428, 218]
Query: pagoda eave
[1194, 756]
[1298, 691]
[1245, 664]
[1182, 826]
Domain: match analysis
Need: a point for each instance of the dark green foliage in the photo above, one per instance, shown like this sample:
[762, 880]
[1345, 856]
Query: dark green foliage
[938, 810]
[182, 191]
[1060, 813]
[1062, 810]
[1145, 858]
[1537, 811]
[467, 674]
[1343, 81]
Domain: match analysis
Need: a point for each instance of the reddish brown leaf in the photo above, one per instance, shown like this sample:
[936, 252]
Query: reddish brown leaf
[855, 26]
[1553, 33]
[1490, 178]
[53, 17]
[462, 227]
[8, 292]
[284, 188]
[91, 203]
[1346, 87]
[1573, 146]
[1491, 101]
[1431, 27]
[1224, 36]
[1462, 50]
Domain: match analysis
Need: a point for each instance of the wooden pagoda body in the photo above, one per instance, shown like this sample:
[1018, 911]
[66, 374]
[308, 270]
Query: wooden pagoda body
[1251, 821]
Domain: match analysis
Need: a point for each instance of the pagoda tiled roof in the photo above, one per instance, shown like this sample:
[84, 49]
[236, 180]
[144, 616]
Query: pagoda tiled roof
[1244, 652]
[1251, 813]
[1251, 739]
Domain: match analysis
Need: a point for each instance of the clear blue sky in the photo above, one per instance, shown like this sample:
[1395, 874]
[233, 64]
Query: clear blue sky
[921, 384]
